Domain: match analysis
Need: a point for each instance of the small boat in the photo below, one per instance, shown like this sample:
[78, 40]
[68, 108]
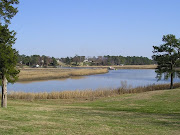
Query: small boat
[111, 68]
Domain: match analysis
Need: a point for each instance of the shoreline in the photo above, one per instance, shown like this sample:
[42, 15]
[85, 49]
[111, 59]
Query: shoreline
[124, 66]
[41, 74]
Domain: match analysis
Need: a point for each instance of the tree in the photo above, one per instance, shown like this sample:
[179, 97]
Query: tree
[7, 11]
[67, 60]
[167, 57]
[35, 59]
[8, 60]
[8, 55]
[54, 62]
[76, 59]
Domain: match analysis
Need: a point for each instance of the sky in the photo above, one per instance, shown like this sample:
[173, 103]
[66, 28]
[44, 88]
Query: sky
[62, 28]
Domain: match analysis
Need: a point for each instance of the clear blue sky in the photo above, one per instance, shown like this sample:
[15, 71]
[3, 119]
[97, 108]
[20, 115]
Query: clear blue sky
[63, 28]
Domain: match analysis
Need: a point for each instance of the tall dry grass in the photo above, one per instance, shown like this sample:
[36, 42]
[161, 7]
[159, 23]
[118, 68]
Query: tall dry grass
[86, 94]
[47, 74]
[140, 89]
[89, 94]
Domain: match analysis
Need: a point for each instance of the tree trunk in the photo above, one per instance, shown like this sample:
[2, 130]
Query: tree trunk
[171, 86]
[4, 92]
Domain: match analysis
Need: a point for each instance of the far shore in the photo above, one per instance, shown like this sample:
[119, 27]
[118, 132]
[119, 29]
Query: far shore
[126, 66]
[38, 74]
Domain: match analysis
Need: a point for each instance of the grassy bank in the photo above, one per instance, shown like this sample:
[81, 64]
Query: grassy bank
[154, 112]
[32, 74]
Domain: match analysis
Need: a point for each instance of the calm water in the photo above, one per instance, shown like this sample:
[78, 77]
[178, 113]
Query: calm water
[133, 77]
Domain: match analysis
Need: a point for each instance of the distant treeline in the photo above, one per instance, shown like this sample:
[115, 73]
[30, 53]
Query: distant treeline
[45, 61]
[34, 60]
[107, 60]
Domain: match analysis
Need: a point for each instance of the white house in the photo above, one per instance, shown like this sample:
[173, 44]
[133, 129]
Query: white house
[37, 66]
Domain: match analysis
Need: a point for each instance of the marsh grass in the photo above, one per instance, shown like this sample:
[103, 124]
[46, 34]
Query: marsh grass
[89, 94]
[55, 73]
[78, 94]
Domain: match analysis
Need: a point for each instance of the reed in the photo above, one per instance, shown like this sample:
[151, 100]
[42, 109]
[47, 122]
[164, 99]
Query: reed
[88, 94]
[85, 94]
[147, 88]
[47, 74]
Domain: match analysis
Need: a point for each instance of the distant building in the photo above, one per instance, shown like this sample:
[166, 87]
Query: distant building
[57, 60]
[85, 61]
[37, 66]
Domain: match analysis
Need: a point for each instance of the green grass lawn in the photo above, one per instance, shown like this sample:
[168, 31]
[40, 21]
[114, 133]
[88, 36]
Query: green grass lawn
[151, 113]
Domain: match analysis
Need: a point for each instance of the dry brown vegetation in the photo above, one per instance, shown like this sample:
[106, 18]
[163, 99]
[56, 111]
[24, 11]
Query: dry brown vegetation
[32, 74]
[89, 94]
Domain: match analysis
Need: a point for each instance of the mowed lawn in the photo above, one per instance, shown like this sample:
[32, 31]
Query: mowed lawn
[151, 113]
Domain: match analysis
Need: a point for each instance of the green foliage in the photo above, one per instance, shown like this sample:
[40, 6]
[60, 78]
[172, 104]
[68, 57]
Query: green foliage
[108, 60]
[7, 11]
[54, 62]
[167, 57]
[8, 55]
[129, 60]
[68, 60]
[33, 60]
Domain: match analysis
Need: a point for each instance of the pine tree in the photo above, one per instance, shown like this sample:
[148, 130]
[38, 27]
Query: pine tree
[8, 55]
[167, 57]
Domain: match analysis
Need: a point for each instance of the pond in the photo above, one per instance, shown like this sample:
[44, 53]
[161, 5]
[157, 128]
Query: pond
[113, 79]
